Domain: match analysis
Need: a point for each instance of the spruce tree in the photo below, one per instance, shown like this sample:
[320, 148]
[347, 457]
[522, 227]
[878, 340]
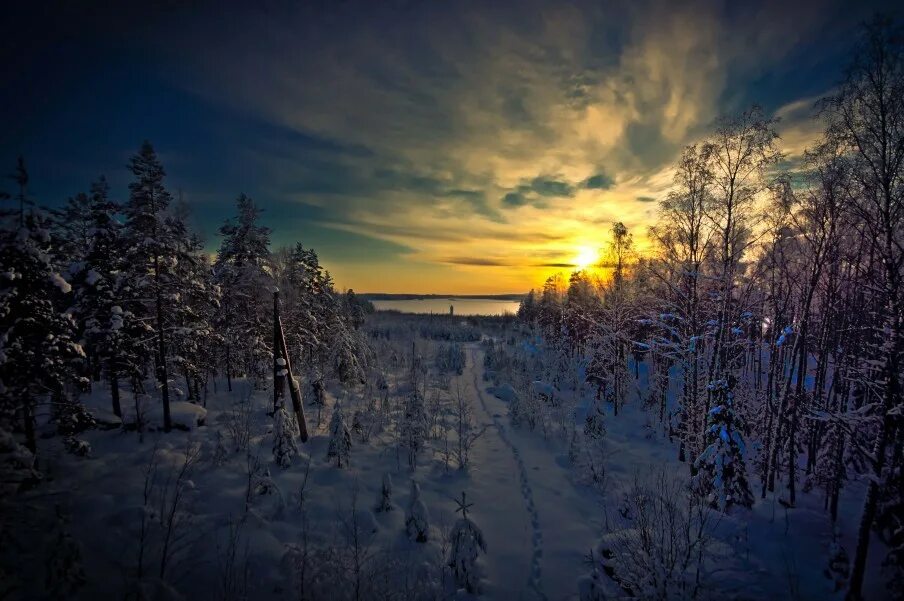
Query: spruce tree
[722, 473]
[38, 351]
[467, 542]
[151, 255]
[242, 272]
[340, 444]
[97, 284]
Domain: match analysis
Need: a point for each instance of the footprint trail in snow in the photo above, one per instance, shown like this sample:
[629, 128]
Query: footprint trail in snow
[535, 579]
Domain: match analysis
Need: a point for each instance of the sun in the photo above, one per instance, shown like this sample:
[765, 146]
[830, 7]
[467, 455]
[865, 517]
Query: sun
[586, 257]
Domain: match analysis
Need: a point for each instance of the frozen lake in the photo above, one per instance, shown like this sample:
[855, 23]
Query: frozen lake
[463, 306]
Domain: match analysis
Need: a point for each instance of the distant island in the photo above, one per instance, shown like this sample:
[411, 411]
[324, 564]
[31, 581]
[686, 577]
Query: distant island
[372, 296]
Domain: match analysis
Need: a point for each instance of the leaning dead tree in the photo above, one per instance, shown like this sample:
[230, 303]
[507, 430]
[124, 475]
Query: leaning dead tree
[282, 371]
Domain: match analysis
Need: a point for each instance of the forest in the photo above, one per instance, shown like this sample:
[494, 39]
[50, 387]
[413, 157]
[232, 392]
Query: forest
[719, 417]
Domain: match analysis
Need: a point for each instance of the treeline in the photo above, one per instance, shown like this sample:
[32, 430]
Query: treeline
[771, 310]
[124, 293]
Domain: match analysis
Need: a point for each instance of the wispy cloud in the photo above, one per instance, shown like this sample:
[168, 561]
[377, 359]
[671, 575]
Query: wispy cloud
[450, 129]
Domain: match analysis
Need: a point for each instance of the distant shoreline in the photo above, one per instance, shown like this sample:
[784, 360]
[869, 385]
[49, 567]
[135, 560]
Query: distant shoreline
[372, 296]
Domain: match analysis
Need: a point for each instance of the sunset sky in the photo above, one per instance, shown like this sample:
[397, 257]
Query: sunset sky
[424, 147]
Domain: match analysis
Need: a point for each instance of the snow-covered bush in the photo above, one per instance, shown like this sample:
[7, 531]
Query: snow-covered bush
[285, 429]
[450, 358]
[417, 518]
[384, 495]
[660, 548]
[16, 465]
[237, 423]
[466, 431]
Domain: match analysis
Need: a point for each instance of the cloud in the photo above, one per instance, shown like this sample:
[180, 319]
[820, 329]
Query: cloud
[547, 186]
[599, 181]
[478, 261]
[556, 265]
[447, 128]
[514, 199]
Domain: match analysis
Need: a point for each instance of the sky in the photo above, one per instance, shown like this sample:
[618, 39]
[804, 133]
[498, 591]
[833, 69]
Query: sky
[419, 147]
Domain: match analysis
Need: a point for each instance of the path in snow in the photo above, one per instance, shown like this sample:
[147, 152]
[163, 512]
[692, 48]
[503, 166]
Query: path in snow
[538, 525]
[535, 579]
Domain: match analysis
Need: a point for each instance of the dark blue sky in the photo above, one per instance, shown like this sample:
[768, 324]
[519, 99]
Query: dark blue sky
[418, 146]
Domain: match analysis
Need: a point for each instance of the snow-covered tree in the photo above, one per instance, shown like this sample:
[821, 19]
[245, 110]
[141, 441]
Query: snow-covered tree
[153, 251]
[192, 334]
[722, 472]
[319, 329]
[413, 427]
[340, 444]
[467, 542]
[417, 518]
[38, 350]
[384, 495]
[527, 308]
[96, 277]
[285, 430]
[242, 272]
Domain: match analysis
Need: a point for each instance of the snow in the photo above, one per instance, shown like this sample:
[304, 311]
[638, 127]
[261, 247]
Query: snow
[531, 521]
[60, 283]
[505, 392]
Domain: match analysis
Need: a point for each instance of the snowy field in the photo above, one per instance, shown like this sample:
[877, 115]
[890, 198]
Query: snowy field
[206, 510]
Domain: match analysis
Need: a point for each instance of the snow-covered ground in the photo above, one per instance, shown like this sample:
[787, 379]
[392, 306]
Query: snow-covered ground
[241, 526]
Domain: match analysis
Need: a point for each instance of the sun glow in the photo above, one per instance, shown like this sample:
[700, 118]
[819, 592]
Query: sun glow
[586, 257]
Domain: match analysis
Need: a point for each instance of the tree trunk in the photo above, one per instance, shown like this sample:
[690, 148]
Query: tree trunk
[891, 399]
[114, 391]
[161, 351]
[28, 419]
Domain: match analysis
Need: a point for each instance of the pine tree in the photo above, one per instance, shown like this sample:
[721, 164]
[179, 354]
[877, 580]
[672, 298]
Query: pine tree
[417, 518]
[722, 473]
[318, 326]
[467, 541]
[152, 253]
[194, 308]
[340, 444]
[242, 271]
[413, 429]
[38, 352]
[97, 284]
[285, 430]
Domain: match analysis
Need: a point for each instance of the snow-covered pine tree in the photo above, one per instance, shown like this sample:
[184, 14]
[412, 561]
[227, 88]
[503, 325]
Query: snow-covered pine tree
[38, 352]
[152, 251]
[191, 329]
[318, 326]
[97, 286]
[413, 428]
[722, 473]
[527, 308]
[354, 308]
[340, 444]
[285, 429]
[384, 495]
[467, 542]
[242, 271]
[417, 518]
